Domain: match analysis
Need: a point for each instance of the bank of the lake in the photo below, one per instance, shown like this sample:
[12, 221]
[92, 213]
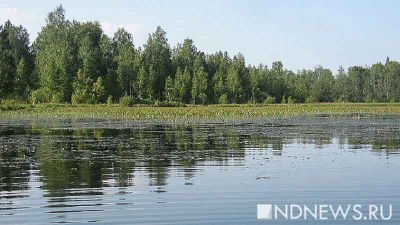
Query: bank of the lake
[191, 112]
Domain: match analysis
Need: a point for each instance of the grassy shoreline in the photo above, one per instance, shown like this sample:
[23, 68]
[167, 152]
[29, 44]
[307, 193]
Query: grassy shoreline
[211, 112]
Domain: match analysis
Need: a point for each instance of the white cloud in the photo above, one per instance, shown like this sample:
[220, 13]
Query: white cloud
[17, 16]
[28, 19]
[110, 28]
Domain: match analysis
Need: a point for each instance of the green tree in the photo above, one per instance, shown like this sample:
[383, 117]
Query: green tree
[16, 62]
[21, 83]
[342, 86]
[199, 86]
[99, 90]
[322, 89]
[56, 57]
[157, 62]
[258, 83]
[222, 64]
[170, 93]
[125, 57]
[392, 81]
[144, 85]
[183, 85]
[357, 79]
[82, 89]
[377, 83]
[184, 55]
[111, 85]
[277, 81]
[238, 81]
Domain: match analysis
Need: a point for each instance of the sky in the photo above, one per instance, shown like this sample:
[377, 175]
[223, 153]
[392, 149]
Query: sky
[301, 34]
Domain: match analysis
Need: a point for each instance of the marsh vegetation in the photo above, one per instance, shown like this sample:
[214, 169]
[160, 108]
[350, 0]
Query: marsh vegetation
[193, 113]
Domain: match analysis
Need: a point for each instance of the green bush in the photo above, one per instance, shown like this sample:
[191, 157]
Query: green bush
[143, 101]
[40, 96]
[283, 100]
[310, 100]
[290, 100]
[126, 101]
[223, 99]
[109, 100]
[269, 100]
[82, 98]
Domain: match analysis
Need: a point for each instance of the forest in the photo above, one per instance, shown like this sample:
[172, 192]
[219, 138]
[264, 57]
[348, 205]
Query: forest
[75, 62]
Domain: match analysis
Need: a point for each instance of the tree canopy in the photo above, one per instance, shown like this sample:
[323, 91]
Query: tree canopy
[75, 62]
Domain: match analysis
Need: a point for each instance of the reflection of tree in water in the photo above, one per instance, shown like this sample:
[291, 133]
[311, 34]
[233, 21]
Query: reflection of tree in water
[94, 158]
[15, 159]
[14, 170]
[382, 140]
[66, 164]
[68, 159]
[84, 159]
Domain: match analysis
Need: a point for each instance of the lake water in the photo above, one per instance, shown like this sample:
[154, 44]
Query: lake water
[118, 172]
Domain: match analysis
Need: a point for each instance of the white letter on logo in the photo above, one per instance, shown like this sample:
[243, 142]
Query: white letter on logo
[313, 214]
[339, 210]
[323, 209]
[292, 217]
[356, 209]
[284, 214]
[390, 213]
[373, 209]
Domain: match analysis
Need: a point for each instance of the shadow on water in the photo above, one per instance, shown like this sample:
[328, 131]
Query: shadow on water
[75, 166]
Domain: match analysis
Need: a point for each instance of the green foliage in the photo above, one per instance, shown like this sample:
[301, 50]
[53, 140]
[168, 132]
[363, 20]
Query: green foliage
[55, 56]
[126, 101]
[290, 100]
[270, 100]
[322, 89]
[110, 100]
[82, 90]
[141, 101]
[223, 99]
[125, 58]
[16, 62]
[310, 100]
[40, 96]
[99, 90]
[183, 85]
[199, 86]
[75, 62]
[169, 104]
[83, 98]
[238, 82]
[169, 93]
[283, 100]
[195, 114]
[157, 63]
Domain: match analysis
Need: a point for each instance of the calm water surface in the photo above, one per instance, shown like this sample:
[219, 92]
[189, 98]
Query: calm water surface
[113, 172]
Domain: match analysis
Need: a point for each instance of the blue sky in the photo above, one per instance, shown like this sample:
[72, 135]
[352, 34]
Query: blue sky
[302, 34]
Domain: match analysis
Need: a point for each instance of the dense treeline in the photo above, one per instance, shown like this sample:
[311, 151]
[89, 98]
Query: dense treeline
[76, 62]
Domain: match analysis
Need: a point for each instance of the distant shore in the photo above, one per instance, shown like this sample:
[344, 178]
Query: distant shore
[191, 112]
